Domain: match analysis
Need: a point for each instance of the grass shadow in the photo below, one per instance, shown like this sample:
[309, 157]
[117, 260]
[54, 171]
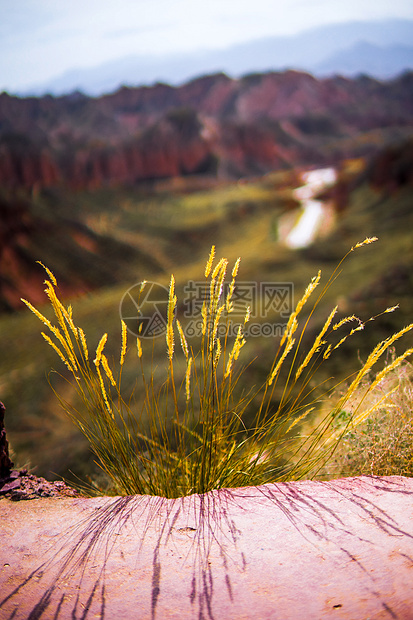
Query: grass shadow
[200, 556]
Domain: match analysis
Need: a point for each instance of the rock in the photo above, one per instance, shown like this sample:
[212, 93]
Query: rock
[10, 486]
[299, 550]
[22, 485]
[5, 462]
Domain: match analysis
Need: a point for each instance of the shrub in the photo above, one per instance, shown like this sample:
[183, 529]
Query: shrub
[381, 445]
[196, 438]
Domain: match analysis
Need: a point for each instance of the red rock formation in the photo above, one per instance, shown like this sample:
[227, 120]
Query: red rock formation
[211, 124]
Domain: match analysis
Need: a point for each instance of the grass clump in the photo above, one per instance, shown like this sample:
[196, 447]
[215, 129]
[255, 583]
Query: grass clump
[382, 444]
[190, 434]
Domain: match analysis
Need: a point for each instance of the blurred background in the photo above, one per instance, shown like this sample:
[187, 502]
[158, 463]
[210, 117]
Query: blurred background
[134, 135]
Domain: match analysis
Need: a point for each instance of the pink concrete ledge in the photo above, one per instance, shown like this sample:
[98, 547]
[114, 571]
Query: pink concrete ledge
[290, 551]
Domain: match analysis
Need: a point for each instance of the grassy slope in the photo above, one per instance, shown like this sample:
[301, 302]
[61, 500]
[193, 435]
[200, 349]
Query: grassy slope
[178, 230]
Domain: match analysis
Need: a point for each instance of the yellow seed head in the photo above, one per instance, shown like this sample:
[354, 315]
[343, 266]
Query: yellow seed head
[83, 341]
[299, 419]
[171, 311]
[184, 343]
[228, 303]
[229, 367]
[307, 293]
[108, 371]
[236, 349]
[49, 273]
[327, 352]
[204, 318]
[217, 284]
[215, 327]
[235, 268]
[58, 351]
[220, 268]
[318, 342]
[280, 362]
[57, 306]
[66, 343]
[67, 313]
[124, 342]
[366, 241]
[394, 364]
[340, 342]
[170, 343]
[37, 313]
[188, 380]
[210, 261]
[103, 391]
[139, 347]
[347, 319]
[99, 349]
[217, 352]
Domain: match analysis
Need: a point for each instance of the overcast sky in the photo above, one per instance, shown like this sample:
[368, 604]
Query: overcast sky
[40, 39]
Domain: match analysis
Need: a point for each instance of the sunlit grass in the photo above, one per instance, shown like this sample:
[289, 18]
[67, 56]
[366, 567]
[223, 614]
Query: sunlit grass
[191, 435]
[380, 444]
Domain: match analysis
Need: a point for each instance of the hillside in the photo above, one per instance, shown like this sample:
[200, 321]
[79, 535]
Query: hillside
[213, 126]
[177, 229]
[47, 229]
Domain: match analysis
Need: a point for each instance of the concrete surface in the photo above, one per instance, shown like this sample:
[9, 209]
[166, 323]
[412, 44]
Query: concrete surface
[290, 551]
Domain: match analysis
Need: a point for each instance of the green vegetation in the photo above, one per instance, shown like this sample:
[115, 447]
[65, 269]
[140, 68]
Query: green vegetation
[169, 227]
[189, 432]
[382, 444]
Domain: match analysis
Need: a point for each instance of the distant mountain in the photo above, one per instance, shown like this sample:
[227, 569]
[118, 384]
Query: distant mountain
[382, 62]
[339, 48]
